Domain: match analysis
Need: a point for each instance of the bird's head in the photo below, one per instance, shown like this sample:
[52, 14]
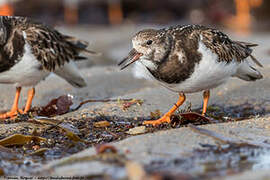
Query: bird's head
[149, 45]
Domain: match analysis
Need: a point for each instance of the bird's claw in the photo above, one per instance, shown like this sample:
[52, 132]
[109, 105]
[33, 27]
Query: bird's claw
[163, 119]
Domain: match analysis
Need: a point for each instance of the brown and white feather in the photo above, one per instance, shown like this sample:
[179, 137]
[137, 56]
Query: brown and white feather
[31, 49]
[192, 58]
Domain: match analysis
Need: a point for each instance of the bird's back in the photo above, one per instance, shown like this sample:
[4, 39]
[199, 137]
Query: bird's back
[49, 46]
[227, 50]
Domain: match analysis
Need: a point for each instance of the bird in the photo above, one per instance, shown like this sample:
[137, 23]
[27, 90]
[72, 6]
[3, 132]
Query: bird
[189, 59]
[30, 51]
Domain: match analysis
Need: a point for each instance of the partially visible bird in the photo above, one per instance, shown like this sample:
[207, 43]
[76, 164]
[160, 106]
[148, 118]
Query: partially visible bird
[30, 51]
[189, 59]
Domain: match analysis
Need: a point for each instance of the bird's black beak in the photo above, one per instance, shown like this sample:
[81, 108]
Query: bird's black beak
[132, 57]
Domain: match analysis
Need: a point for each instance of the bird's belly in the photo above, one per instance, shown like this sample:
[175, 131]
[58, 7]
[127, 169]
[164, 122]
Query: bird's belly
[206, 76]
[26, 72]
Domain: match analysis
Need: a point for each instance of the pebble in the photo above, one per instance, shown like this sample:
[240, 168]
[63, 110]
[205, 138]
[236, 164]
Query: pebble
[102, 124]
[137, 130]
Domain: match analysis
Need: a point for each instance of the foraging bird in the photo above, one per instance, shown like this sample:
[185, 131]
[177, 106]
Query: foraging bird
[30, 51]
[189, 59]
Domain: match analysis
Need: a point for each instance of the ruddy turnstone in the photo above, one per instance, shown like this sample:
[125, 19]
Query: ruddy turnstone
[189, 59]
[30, 51]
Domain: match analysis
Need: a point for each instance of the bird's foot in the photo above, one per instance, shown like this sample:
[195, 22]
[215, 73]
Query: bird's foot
[11, 114]
[164, 119]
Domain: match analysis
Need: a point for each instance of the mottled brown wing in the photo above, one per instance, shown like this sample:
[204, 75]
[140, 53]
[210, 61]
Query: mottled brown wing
[49, 46]
[12, 45]
[227, 49]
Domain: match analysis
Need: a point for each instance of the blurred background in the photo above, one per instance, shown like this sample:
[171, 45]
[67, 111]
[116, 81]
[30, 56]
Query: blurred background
[109, 24]
[240, 14]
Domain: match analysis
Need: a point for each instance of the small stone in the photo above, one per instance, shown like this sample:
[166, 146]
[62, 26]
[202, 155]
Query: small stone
[137, 130]
[84, 116]
[27, 162]
[36, 147]
[102, 124]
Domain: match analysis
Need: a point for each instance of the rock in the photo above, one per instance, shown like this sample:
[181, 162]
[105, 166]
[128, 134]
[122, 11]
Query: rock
[137, 130]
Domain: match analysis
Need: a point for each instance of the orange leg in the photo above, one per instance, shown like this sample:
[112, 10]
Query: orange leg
[206, 96]
[166, 118]
[14, 110]
[31, 94]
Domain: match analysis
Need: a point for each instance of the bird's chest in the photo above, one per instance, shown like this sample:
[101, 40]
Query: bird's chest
[26, 72]
[176, 69]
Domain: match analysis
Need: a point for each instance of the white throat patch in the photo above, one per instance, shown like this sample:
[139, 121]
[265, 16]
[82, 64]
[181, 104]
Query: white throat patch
[140, 70]
[148, 63]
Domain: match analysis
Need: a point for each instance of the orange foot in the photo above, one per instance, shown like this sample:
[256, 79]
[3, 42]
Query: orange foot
[164, 119]
[11, 114]
[14, 110]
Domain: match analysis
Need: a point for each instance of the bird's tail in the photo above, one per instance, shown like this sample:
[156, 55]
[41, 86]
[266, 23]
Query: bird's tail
[249, 46]
[71, 74]
[247, 72]
[81, 46]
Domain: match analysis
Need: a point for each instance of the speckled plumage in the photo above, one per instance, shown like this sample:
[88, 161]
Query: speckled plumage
[214, 39]
[50, 47]
[189, 59]
[30, 51]
[175, 50]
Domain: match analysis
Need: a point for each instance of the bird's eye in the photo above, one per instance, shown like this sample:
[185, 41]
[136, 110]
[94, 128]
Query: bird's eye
[149, 42]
